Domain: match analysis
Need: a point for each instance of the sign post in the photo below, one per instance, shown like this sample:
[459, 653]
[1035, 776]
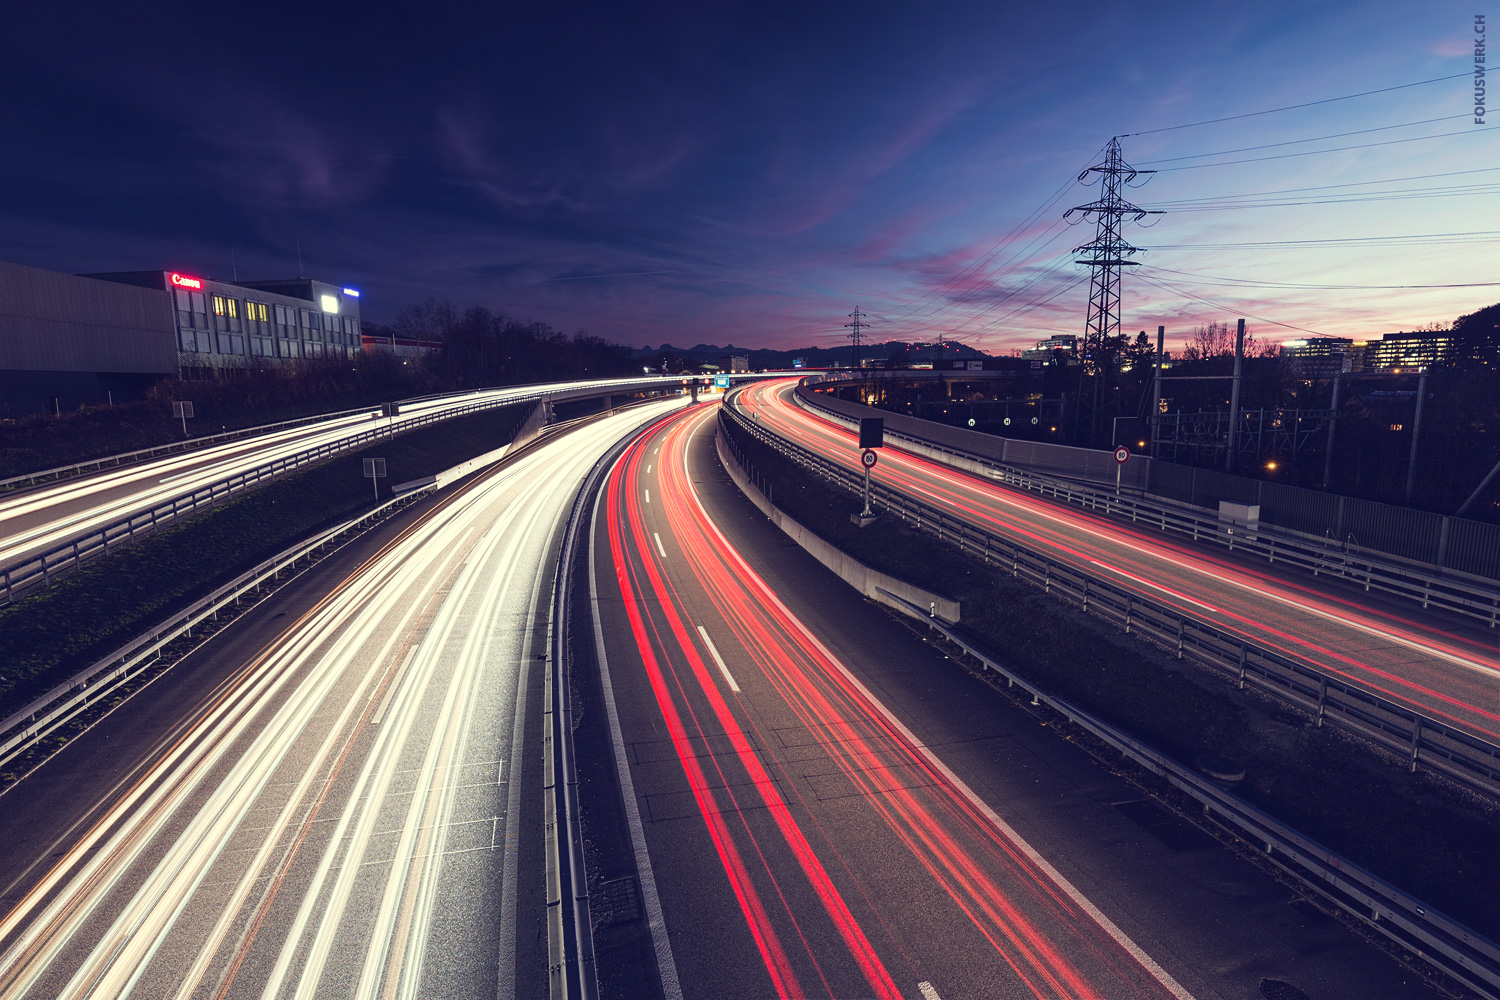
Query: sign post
[1122, 455]
[867, 459]
[183, 409]
[375, 472]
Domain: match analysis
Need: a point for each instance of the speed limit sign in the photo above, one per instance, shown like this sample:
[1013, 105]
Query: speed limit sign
[868, 459]
[1122, 454]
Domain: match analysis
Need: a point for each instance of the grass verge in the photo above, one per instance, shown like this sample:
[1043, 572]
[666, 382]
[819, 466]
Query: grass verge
[1430, 838]
[53, 633]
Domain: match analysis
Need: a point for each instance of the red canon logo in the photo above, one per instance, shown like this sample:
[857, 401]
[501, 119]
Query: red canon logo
[183, 281]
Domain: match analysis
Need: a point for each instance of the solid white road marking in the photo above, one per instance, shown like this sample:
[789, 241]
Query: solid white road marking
[666, 965]
[648, 496]
[658, 545]
[928, 993]
[723, 668]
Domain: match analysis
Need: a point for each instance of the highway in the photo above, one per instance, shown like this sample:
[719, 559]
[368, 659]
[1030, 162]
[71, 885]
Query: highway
[831, 808]
[38, 520]
[1447, 671]
[334, 804]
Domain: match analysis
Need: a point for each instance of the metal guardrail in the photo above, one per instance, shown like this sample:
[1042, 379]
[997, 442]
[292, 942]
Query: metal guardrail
[1421, 740]
[65, 701]
[43, 568]
[1447, 944]
[190, 444]
[1343, 561]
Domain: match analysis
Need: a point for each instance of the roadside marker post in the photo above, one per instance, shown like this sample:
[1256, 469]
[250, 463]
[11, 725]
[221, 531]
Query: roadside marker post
[375, 472]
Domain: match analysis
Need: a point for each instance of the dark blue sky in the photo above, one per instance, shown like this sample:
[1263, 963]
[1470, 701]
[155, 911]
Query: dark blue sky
[751, 172]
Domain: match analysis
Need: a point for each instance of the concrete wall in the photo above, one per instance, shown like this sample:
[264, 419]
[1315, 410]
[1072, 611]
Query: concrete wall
[872, 583]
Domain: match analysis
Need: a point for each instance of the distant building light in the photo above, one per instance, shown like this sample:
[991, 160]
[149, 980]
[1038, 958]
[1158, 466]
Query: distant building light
[330, 303]
[1396, 427]
[351, 293]
[183, 281]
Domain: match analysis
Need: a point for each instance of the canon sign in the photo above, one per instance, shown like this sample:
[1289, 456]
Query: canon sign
[183, 281]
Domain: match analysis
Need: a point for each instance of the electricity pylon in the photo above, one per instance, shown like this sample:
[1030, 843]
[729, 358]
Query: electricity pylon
[1107, 254]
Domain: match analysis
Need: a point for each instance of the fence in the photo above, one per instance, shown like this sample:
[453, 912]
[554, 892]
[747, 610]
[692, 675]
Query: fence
[1447, 545]
[1421, 740]
[1350, 559]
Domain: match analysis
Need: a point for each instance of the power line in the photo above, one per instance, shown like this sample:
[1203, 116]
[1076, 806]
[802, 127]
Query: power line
[1294, 107]
[1415, 238]
[1315, 152]
[1168, 286]
[1247, 282]
[1316, 138]
[1330, 187]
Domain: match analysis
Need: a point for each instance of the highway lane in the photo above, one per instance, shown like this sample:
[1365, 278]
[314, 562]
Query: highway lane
[833, 809]
[1448, 671]
[40, 519]
[813, 804]
[341, 817]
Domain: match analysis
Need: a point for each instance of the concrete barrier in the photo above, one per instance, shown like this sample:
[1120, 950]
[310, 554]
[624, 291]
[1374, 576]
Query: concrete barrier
[872, 583]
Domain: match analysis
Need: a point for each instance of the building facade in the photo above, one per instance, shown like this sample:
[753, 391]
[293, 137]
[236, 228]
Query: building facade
[68, 341]
[1405, 353]
[221, 325]
[1322, 357]
[1043, 351]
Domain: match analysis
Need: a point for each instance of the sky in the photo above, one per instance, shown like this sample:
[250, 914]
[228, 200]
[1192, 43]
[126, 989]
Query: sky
[750, 173]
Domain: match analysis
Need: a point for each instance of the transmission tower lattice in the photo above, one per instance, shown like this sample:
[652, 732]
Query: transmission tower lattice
[855, 335]
[1107, 254]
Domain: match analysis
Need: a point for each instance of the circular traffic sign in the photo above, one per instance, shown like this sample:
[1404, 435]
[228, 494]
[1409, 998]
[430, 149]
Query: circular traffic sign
[971, 421]
[1007, 421]
[1122, 454]
[1033, 421]
[867, 459]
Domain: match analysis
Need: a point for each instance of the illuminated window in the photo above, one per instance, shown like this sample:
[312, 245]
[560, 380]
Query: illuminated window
[218, 305]
[231, 304]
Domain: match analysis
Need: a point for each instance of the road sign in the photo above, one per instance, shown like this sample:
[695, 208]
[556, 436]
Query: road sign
[868, 459]
[871, 432]
[1122, 454]
[183, 409]
[721, 381]
[971, 421]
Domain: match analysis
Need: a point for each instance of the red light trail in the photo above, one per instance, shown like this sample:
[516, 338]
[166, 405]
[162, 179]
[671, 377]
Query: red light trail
[812, 854]
[1432, 669]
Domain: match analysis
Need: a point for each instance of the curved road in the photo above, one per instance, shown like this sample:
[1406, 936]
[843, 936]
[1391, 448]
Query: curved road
[336, 816]
[832, 809]
[1446, 671]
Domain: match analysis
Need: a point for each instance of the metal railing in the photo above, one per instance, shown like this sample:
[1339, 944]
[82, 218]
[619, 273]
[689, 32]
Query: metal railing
[1343, 560]
[65, 701]
[1417, 738]
[190, 444]
[41, 569]
[1432, 936]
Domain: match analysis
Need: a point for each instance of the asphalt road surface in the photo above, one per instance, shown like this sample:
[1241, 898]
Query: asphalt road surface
[831, 808]
[1446, 669]
[328, 798]
[38, 520]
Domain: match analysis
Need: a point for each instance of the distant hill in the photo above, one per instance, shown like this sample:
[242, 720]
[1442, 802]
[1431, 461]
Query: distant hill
[814, 357]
